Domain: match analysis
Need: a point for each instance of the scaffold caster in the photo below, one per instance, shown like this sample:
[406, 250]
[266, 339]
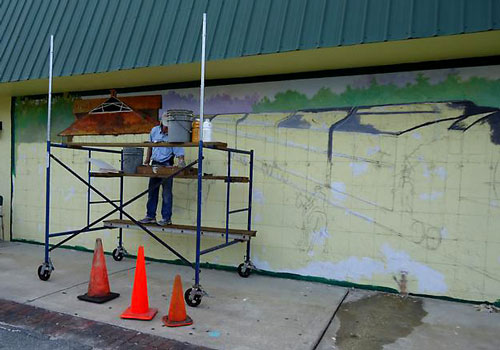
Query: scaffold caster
[193, 296]
[245, 269]
[118, 254]
[44, 271]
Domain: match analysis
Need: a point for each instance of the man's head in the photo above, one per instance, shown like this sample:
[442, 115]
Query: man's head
[164, 123]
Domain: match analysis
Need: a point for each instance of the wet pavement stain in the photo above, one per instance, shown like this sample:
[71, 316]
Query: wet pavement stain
[370, 323]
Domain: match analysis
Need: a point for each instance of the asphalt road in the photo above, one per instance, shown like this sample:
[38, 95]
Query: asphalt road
[28, 327]
[15, 338]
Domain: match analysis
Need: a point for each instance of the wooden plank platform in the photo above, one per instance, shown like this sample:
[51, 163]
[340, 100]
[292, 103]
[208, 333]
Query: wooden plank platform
[243, 235]
[241, 179]
[218, 145]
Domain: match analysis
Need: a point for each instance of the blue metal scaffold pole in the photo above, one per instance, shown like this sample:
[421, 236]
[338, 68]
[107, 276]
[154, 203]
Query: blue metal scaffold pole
[200, 154]
[46, 268]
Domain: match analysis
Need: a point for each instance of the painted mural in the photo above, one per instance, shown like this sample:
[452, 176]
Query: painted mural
[359, 179]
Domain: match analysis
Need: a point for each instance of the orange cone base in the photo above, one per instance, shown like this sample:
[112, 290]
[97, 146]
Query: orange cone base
[188, 321]
[146, 316]
[99, 300]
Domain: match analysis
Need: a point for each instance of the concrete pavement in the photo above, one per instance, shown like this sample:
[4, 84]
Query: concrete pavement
[255, 313]
[374, 321]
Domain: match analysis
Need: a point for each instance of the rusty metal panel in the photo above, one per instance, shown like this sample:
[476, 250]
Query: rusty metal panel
[114, 116]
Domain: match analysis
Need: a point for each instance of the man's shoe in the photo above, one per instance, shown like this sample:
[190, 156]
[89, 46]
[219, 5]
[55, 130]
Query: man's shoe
[164, 222]
[148, 220]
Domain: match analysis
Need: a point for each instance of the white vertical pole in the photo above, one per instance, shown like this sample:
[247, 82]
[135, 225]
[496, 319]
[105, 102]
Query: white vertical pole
[47, 265]
[202, 87]
[51, 54]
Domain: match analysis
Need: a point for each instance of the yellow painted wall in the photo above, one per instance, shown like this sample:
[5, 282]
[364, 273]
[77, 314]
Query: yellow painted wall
[5, 160]
[422, 202]
[391, 180]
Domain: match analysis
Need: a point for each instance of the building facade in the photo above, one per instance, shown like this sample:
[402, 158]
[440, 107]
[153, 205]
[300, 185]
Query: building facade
[375, 126]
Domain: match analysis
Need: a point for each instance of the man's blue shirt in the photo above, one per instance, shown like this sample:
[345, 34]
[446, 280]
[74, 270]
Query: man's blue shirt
[162, 154]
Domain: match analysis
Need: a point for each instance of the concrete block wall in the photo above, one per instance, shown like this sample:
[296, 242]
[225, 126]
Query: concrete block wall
[358, 193]
[5, 160]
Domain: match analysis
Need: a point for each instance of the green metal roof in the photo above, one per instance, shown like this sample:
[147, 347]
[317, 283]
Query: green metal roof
[96, 36]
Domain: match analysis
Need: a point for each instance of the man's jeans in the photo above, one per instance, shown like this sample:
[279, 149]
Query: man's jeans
[166, 207]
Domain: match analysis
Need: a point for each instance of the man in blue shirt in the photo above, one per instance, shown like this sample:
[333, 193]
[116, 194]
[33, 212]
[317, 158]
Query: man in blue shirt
[161, 156]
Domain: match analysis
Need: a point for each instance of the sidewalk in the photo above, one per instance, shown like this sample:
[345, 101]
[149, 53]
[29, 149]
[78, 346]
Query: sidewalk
[259, 312]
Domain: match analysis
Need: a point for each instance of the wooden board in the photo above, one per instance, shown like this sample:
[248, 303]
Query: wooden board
[164, 170]
[185, 229]
[219, 145]
[241, 179]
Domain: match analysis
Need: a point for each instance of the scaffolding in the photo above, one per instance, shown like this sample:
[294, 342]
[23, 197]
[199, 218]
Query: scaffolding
[194, 295]
[230, 235]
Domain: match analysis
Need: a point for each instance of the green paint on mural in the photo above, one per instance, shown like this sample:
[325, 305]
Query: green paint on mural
[30, 122]
[482, 91]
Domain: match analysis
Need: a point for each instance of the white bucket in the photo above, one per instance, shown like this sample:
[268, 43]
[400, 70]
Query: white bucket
[180, 122]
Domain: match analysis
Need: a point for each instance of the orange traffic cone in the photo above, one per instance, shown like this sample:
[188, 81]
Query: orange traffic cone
[139, 308]
[177, 312]
[98, 291]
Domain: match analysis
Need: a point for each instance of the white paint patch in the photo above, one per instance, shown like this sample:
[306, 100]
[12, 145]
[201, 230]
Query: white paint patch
[260, 264]
[258, 196]
[441, 172]
[318, 237]
[310, 253]
[359, 215]
[431, 196]
[351, 269]
[355, 269]
[257, 218]
[416, 135]
[427, 172]
[358, 168]
[429, 280]
[444, 232]
[70, 194]
[494, 204]
[338, 190]
[372, 150]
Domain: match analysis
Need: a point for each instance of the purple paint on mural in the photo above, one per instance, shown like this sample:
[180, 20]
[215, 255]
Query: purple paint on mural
[361, 82]
[215, 104]
[399, 79]
[438, 76]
